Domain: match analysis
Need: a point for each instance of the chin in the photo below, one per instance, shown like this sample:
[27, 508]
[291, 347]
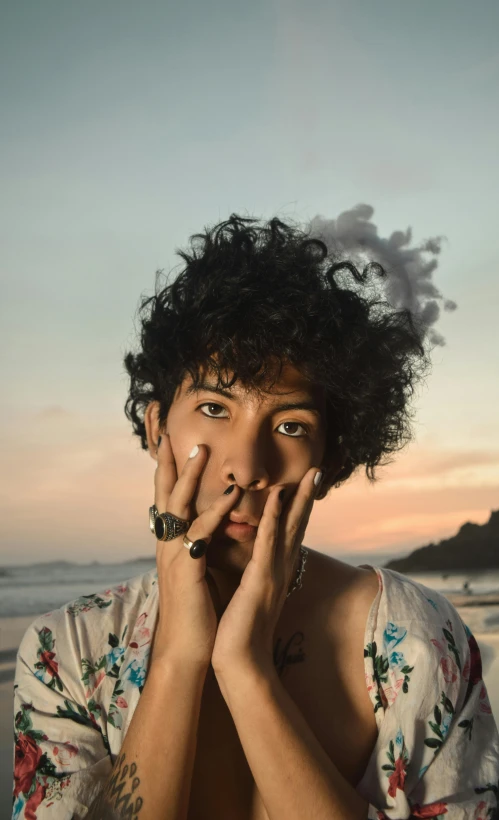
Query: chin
[229, 555]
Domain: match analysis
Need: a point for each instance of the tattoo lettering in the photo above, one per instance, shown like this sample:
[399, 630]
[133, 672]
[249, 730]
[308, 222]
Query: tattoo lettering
[286, 657]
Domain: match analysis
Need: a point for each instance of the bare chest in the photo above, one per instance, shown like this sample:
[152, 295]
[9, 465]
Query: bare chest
[325, 678]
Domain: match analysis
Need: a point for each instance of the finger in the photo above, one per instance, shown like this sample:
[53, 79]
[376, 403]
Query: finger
[175, 494]
[207, 522]
[165, 476]
[169, 499]
[264, 549]
[295, 517]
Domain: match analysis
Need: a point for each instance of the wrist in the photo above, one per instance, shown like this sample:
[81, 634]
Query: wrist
[247, 665]
[179, 668]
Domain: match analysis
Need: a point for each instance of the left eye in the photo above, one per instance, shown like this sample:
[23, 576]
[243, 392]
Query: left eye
[292, 423]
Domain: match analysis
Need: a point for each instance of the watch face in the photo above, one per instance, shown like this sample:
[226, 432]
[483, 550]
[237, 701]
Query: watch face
[159, 528]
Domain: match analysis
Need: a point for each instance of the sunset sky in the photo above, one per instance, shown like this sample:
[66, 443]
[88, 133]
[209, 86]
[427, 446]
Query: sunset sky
[127, 127]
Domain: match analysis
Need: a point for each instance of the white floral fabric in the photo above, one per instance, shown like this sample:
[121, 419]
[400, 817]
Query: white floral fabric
[81, 669]
[437, 751]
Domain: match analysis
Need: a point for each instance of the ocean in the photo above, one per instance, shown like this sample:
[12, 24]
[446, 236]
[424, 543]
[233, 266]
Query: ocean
[39, 588]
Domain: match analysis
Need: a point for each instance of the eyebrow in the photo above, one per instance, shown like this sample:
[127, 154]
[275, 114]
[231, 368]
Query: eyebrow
[309, 405]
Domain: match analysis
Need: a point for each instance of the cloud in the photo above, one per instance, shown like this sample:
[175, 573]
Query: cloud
[430, 462]
[388, 518]
[87, 498]
[53, 412]
[408, 283]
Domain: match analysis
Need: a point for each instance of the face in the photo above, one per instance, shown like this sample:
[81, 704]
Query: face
[252, 440]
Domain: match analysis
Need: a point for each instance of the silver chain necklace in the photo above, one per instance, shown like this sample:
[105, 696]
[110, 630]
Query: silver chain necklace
[299, 573]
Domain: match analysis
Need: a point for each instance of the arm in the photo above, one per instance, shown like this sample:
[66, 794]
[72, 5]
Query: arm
[151, 778]
[293, 773]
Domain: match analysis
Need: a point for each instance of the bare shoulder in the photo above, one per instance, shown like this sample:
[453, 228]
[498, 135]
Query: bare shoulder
[339, 599]
[333, 606]
[341, 588]
[330, 685]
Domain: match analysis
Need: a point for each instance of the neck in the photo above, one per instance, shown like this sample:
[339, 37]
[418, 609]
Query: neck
[223, 584]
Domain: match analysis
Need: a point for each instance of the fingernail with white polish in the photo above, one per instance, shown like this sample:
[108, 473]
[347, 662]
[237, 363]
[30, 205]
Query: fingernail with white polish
[194, 451]
[317, 478]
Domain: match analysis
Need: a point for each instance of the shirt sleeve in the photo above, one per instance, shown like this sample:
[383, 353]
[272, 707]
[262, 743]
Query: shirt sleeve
[61, 753]
[437, 754]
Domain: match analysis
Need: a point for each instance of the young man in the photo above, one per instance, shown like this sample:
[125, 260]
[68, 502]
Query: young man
[248, 676]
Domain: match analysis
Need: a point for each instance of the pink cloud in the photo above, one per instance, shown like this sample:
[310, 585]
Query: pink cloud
[84, 494]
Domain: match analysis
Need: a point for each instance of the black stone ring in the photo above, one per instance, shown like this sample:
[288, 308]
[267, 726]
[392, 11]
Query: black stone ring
[198, 549]
[166, 526]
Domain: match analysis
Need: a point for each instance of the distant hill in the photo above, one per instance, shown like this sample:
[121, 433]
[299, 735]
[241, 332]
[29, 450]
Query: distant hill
[6, 571]
[143, 559]
[476, 546]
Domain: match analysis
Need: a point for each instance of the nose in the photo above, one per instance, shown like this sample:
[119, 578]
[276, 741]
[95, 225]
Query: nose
[247, 462]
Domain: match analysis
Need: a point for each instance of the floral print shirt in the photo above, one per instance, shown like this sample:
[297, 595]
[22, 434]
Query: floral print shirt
[81, 669]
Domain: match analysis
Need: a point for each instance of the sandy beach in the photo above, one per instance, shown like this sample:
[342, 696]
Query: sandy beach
[483, 620]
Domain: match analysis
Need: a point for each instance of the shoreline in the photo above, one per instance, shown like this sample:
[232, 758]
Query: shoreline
[463, 600]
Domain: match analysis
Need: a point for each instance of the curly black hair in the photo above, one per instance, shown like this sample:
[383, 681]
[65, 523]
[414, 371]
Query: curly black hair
[252, 295]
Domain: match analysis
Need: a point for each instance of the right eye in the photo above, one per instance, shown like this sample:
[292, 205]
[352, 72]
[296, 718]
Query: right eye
[211, 404]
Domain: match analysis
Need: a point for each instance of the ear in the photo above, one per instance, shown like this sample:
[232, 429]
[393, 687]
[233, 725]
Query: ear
[151, 422]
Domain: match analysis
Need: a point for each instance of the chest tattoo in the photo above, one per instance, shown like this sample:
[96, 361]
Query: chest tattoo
[289, 653]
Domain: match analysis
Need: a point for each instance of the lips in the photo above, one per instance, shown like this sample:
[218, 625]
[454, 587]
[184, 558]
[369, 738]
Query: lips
[241, 519]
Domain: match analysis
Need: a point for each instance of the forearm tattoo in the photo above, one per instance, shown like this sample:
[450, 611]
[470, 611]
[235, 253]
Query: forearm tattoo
[119, 798]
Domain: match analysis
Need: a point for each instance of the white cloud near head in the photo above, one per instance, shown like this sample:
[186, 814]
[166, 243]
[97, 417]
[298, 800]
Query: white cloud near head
[408, 282]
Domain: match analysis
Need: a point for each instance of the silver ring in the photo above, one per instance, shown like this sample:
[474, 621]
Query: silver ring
[153, 511]
[172, 525]
[187, 543]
